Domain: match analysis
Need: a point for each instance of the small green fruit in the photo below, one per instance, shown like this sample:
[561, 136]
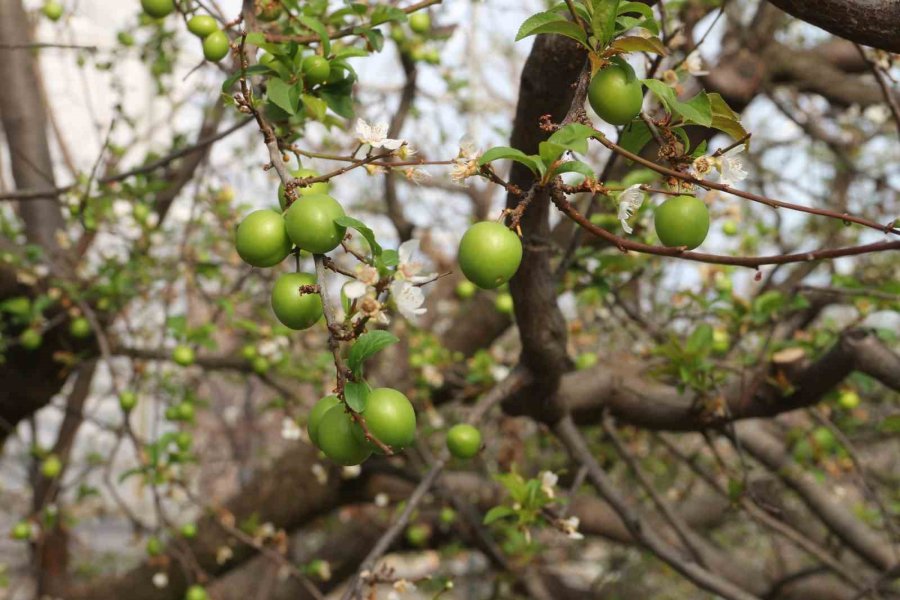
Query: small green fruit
[420, 22]
[216, 46]
[154, 546]
[293, 309]
[682, 221]
[183, 355]
[390, 417]
[824, 439]
[310, 223]
[586, 360]
[463, 441]
[202, 25]
[315, 69]
[848, 399]
[466, 289]
[184, 440]
[504, 303]
[615, 94]
[31, 339]
[249, 352]
[196, 592]
[21, 531]
[52, 9]
[185, 411]
[189, 530]
[338, 438]
[125, 38]
[489, 254]
[260, 365]
[158, 8]
[729, 228]
[79, 328]
[268, 10]
[721, 341]
[418, 534]
[315, 416]
[128, 400]
[51, 467]
[262, 239]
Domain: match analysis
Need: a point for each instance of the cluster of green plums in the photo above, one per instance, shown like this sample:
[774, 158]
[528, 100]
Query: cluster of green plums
[389, 417]
[266, 237]
[215, 41]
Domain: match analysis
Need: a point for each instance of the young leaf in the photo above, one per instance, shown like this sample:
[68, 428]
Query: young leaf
[635, 136]
[573, 136]
[356, 395]
[363, 229]
[603, 21]
[574, 166]
[696, 110]
[384, 14]
[724, 119]
[550, 152]
[637, 43]
[498, 512]
[282, 95]
[550, 22]
[366, 346]
[316, 107]
[501, 152]
[317, 26]
[700, 341]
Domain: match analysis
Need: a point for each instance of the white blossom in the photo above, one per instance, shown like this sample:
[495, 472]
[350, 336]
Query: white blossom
[160, 580]
[351, 472]
[408, 268]
[366, 278]
[409, 298]
[416, 176]
[465, 164]
[731, 167]
[381, 500]
[224, 554]
[548, 483]
[289, 429]
[694, 64]
[319, 473]
[376, 135]
[629, 202]
[569, 526]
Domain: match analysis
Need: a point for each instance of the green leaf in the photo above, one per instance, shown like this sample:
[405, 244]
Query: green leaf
[497, 513]
[385, 14]
[390, 258]
[637, 43]
[573, 136]
[363, 229]
[724, 119]
[550, 152]
[356, 394]
[501, 152]
[574, 166]
[603, 20]
[316, 107]
[339, 98]
[550, 22]
[250, 71]
[700, 341]
[696, 110]
[635, 136]
[282, 95]
[646, 20]
[317, 26]
[366, 346]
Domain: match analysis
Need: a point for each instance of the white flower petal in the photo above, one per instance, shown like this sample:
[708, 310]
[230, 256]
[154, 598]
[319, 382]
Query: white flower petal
[629, 202]
[355, 289]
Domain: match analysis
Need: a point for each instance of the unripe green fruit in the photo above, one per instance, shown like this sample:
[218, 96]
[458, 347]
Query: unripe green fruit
[79, 328]
[466, 289]
[249, 352]
[127, 400]
[586, 360]
[185, 411]
[262, 239]
[504, 303]
[202, 25]
[315, 69]
[338, 439]
[320, 187]
[420, 22]
[189, 530]
[293, 309]
[171, 413]
[615, 94]
[196, 592]
[21, 531]
[216, 46]
[682, 221]
[418, 534]
[31, 339]
[390, 417]
[721, 341]
[848, 399]
[463, 441]
[310, 223]
[52, 9]
[183, 355]
[51, 467]
[489, 254]
[447, 516]
[154, 546]
[125, 38]
[723, 283]
[260, 365]
[729, 228]
[315, 416]
[140, 211]
[268, 10]
[158, 8]
[824, 439]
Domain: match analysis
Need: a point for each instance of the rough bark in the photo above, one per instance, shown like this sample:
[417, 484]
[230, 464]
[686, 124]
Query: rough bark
[869, 22]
